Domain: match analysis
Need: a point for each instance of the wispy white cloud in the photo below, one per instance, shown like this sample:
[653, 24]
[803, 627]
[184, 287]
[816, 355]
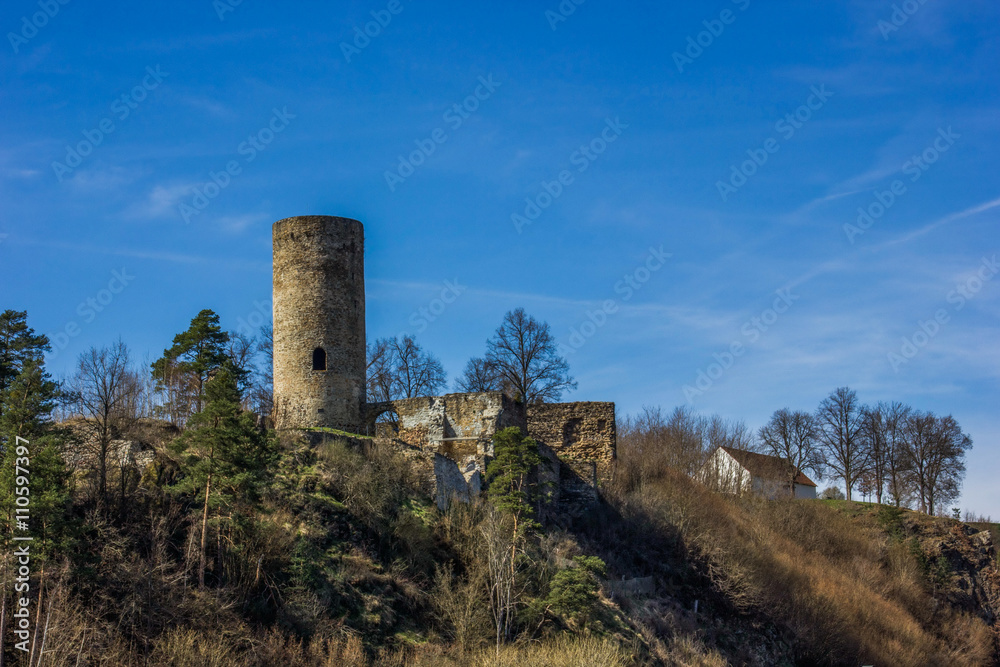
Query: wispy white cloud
[951, 217]
[22, 173]
[104, 179]
[161, 201]
[240, 223]
[152, 255]
[208, 105]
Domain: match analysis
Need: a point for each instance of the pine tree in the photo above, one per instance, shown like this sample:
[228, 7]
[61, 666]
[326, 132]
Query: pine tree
[191, 360]
[28, 401]
[515, 457]
[29, 441]
[18, 345]
[509, 524]
[574, 591]
[225, 459]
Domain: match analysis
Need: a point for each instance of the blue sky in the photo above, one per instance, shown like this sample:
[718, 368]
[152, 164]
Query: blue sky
[627, 126]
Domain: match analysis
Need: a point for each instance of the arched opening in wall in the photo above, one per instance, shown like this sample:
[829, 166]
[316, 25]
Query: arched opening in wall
[319, 359]
[384, 422]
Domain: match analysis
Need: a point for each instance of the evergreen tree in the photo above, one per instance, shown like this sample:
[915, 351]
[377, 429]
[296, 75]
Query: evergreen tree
[224, 457]
[18, 344]
[515, 457]
[27, 402]
[573, 593]
[190, 362]
[509, 524]
[30, 447]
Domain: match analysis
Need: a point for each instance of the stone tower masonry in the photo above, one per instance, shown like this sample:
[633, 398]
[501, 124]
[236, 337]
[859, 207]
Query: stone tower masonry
[319, 322]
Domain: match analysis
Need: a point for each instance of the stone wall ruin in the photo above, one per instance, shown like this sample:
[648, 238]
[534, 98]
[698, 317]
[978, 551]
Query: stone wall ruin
[319, 380]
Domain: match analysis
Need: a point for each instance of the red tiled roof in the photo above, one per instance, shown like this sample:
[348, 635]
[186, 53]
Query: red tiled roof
[768, 467]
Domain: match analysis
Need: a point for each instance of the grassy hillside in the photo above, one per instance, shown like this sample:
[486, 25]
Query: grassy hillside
[842, 583]
[345, 561]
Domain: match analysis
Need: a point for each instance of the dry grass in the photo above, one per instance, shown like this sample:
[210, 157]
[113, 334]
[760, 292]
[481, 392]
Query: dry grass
[185, 647]
[847, 593]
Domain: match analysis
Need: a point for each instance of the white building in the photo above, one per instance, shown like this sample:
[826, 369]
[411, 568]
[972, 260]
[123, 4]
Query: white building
[737, 471]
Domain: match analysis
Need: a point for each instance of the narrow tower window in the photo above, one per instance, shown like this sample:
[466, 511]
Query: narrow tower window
[319, 359]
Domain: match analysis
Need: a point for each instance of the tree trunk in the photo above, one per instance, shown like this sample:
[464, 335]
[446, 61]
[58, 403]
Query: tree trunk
[38, 614]
[204, 535]
[45, 633]
[3, 611]
[102, 473]
[123, 479]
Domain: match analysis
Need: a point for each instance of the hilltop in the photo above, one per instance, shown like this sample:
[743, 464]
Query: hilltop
[345, 560]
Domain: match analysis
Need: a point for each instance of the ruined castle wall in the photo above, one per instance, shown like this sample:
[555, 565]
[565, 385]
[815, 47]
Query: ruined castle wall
[454, 424]
[457, 430]
[581, 434]
[421, 421]
[471, 421]
[319, 302]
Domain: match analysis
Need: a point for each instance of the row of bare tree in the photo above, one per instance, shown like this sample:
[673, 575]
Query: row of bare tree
[521, 360]
[887, 451]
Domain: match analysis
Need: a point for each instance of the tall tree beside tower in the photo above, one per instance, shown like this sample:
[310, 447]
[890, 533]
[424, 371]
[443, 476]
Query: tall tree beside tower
[187, 365]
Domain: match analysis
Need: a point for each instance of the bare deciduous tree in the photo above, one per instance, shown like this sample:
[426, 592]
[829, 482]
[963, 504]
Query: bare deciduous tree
[791, 435]
[109, 394]
[242, 352]
[936, 448]
[399, 368]
[839, 427]
[881, 430]
[897, 466]
[523, 352]
[418, 373]
[263, 391]
[380, 384]
[682, 441]
[721, 432]
[479, 375]
[499, 551]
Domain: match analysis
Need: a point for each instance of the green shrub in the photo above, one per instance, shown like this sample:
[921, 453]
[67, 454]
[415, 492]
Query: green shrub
[573, 592]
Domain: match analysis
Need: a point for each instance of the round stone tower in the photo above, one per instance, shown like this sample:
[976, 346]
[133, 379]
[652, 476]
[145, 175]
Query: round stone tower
[319, 322]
